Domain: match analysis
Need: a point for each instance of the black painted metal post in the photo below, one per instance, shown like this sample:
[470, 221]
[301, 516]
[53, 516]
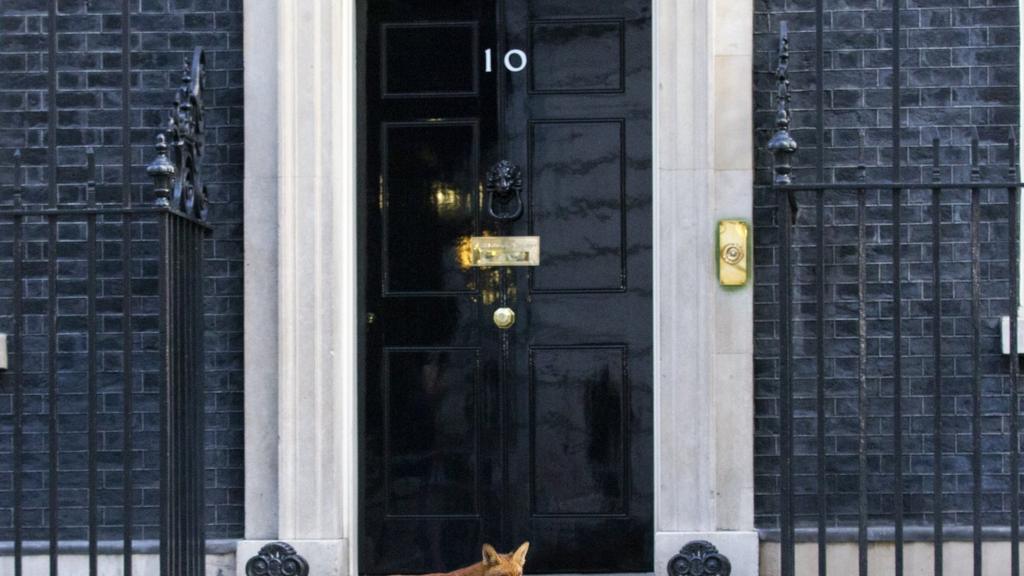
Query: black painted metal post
[177, 404]
[51, 179]
[179, 541]
[937, 488]
[783, 147]
[976, 355]
[128, 401]
[862, 386]
[127, 365]
[166, 417]
[822, 488]
[200, 403]
[187, 398]
[1014, 359]
[784, 216]
[820, 416]
[52, 399]
[93, 407]
[897, 293]
[18, 365]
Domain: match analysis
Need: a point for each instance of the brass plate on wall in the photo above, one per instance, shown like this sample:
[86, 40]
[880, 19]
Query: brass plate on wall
[733, 252]
[490, 251]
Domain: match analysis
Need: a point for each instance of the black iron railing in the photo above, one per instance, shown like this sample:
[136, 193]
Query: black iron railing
[105, 308]
[893, 330]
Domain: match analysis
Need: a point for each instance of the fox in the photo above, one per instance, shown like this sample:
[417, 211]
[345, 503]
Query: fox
[493, 563]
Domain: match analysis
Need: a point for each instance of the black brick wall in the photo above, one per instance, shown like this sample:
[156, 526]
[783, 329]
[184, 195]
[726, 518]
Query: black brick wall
[89, 113]
[960, 79]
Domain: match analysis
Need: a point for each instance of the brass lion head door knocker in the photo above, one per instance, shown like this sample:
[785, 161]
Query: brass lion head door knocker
[505, 191]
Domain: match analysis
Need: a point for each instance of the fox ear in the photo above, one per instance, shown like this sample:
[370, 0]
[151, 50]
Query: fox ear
[490, 555]
[519, 556]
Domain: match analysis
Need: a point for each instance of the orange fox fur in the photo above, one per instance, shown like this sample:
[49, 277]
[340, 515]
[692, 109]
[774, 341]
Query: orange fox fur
[494, 564]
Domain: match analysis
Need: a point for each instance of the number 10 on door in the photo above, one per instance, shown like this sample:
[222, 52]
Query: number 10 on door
[515, 60]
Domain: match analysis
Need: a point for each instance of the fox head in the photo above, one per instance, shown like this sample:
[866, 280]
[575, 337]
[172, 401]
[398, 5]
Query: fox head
[504, 564]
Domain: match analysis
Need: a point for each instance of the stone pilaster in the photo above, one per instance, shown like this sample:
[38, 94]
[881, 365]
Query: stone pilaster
[261, 238]
[704, 400]
[300, 135]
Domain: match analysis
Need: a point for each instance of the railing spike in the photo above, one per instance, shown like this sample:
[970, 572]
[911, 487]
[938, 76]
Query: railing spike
[975, 159]
[90, 176]
[1011, 160]
[18, 175]
[862, 169]
[90, 162]
[19, 178]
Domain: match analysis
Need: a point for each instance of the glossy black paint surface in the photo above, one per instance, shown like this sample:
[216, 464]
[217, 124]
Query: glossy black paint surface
[542, 432]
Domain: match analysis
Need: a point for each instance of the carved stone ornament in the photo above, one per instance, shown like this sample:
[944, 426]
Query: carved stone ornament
[505, 187]
[277, 559]
[699, 558]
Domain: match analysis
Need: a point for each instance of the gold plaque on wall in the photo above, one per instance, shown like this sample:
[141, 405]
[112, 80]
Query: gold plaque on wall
[733, 256]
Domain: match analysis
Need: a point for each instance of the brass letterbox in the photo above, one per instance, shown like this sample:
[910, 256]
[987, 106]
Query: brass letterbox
[490, 251]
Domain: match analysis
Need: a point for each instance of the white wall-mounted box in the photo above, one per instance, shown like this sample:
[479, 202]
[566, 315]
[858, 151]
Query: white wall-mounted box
[1006, 334]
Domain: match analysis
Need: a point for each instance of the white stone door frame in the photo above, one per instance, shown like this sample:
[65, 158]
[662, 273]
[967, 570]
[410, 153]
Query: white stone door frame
[301, 283]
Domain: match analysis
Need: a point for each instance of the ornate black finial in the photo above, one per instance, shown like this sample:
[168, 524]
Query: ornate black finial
[277, 559]
[782, 145]
[699, 558]
[162, 172]
[184, 133]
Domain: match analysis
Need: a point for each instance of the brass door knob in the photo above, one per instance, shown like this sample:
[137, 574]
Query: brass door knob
[504, 318]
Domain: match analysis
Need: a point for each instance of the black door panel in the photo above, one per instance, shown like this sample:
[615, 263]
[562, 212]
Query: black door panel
[447, 49]
[543, 431]
[428, 198]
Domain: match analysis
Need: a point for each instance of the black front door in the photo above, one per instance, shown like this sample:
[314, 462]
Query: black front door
[541, 431]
